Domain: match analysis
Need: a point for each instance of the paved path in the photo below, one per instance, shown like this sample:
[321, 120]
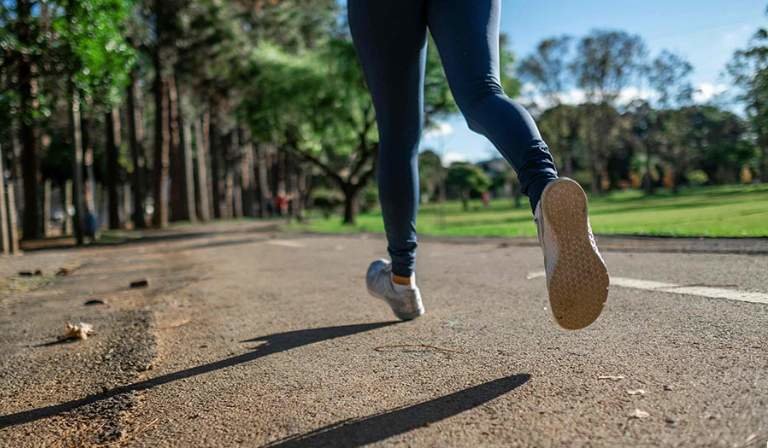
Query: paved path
[255, 338]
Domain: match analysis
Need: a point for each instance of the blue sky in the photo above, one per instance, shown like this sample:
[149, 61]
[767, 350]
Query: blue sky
[706, 32]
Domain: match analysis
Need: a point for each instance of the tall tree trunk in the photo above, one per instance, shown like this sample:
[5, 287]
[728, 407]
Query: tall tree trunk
[136, 140]
[126, 199]
[186, 162]
[248, 190]
[4, 241]
[594, 120]
[214, 151]
[290, 186]
[46, 206]
[90, 178]
[228, 201]
[234, 191]
[302, 191]
[77, 168]
[203, 187]
[162, 146]
[648, 181]
[112, 122]
[351, 194]
[189, 170]
[67, 200]
[262, 180]
[179, 197]
[13, 235]
[27, 105]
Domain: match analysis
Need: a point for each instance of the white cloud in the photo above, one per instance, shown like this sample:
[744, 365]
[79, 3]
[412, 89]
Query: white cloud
[628, 94]
[576, 96]
[453, 156]
[703, 93]
[440, 130]
[573, 96]
[706, 91]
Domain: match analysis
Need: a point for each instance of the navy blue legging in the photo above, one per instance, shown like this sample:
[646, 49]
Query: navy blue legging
[391, 41]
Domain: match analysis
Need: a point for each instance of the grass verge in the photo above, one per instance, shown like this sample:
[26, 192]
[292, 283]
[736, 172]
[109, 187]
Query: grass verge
[723, 211]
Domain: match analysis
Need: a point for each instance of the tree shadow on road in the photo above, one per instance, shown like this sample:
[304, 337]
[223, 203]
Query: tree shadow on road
[377, 427]
[275, 343]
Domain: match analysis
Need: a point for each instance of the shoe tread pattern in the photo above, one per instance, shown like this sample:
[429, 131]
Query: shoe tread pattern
[578, 285]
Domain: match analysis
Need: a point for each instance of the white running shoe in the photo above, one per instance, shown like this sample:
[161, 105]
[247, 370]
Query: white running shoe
[577, 278]
[405, 301]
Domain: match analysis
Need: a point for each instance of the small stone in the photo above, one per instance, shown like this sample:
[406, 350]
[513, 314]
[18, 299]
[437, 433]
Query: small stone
[670, 421]
[636, 392]
[143, 283]
[667, 387]
[638, 414]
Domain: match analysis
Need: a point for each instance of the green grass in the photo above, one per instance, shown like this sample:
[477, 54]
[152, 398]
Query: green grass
[725, 211]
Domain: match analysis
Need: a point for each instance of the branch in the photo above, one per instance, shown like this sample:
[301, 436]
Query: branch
[364, 149]
[365, 156]
[330, 172]
[366, 177]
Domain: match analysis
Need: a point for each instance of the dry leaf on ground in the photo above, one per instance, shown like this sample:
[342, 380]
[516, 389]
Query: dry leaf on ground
[611, 377]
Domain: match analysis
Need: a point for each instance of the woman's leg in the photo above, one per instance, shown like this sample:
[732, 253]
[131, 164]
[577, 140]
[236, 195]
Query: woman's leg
[390, 37]
[467, 36]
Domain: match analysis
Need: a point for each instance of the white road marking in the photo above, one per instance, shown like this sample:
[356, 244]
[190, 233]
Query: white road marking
[701, 291]
[285, 243]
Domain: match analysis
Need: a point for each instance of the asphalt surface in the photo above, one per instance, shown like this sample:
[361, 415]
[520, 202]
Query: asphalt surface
[249, 337]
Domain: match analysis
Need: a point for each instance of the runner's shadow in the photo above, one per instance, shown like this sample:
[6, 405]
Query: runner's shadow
[378, 427]
[272, 344]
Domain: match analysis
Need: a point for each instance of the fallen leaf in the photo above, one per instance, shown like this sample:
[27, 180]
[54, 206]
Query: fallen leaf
[78, 331]
[611, 377]
[636, 392]
[637, 413]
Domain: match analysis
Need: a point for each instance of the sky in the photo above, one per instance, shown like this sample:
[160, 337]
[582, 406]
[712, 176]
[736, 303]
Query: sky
[705, 32]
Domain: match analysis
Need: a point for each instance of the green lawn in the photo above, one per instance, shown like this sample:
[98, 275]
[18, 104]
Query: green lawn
[708, 211]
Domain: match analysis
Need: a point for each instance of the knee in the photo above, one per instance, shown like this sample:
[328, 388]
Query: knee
[470, 95]
[399, 143]
[475, 98]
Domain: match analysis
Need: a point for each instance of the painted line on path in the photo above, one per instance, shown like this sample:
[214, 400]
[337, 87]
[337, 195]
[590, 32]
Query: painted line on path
[701, 291]
[285, 243]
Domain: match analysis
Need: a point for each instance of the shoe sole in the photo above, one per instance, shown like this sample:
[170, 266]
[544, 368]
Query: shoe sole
[401, 316]
[578, 286]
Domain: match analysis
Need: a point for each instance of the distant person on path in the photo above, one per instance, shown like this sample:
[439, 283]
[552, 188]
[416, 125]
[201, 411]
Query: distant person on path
[391, 41]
